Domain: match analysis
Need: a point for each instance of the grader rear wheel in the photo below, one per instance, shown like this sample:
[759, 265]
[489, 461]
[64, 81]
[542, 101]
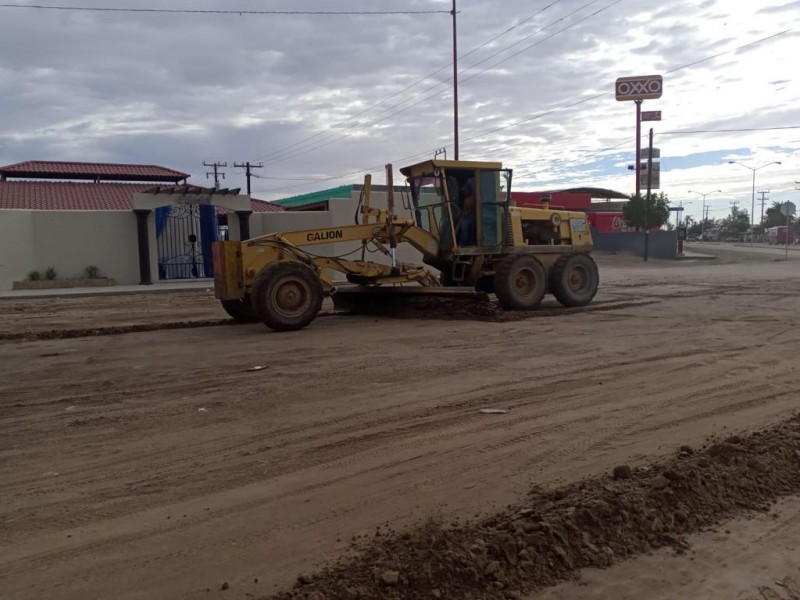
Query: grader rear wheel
[574, 279]
[287, 295]
[520, 283]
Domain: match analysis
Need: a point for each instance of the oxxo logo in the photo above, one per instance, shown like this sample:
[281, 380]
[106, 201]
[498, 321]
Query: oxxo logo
[639, 88]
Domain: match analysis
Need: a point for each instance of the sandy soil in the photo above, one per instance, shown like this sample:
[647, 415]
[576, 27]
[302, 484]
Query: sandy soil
[745, 559]
[153, 464]
[57, 314]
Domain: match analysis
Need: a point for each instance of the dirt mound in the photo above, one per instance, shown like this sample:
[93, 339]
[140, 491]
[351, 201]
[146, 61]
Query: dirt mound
[555, 533]
[475, 310]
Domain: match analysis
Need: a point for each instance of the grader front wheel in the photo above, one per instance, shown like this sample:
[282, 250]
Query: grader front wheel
[287, 295]
[520, 283]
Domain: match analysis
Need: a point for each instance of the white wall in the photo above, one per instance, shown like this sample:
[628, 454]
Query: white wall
[68, 242]
[17, 257]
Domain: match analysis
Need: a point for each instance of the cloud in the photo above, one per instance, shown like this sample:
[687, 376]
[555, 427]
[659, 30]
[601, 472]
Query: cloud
[182, 89]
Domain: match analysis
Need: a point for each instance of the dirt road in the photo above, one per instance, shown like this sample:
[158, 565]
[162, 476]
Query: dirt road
[153, 464]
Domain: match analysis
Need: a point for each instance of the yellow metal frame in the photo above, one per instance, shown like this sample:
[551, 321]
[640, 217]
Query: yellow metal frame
[236, 264]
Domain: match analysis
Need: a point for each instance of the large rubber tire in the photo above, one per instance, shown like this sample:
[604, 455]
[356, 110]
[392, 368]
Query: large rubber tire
[287, 295]
[574, 279]
[241, 310]
[520, 282]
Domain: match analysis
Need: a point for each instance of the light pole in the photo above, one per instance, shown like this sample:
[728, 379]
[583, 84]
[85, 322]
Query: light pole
[455, 80]
[753, 203]
[703, 222]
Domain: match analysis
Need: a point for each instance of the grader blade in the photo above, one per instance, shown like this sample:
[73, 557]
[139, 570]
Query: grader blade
[393, 299]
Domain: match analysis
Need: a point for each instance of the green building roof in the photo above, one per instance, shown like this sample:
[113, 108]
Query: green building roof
[343, 191]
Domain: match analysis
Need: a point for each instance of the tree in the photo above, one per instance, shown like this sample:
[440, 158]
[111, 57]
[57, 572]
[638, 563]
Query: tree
[737, 222]
[693, 226]
[696, 227]
[658, 215]
[774, 218]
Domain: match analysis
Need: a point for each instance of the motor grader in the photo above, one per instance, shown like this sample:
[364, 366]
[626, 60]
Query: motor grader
[462, 222]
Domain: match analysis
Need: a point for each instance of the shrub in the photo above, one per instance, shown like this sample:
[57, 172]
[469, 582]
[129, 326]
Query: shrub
[34, 276]
[92, 272]
[50, 274]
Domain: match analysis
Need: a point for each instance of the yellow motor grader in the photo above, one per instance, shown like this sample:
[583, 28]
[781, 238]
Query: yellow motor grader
[460, 218]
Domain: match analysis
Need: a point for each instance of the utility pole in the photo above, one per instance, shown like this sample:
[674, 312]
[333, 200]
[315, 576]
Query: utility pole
[455, 80]
[764, 195]
[217, 173]
[247, 171]
[705, 213]
[753, 207]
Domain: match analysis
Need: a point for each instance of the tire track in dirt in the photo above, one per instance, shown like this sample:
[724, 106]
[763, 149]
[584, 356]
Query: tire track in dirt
[276, 458]
[349, 451]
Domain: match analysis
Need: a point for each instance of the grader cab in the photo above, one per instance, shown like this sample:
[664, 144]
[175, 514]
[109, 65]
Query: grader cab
[460, 219]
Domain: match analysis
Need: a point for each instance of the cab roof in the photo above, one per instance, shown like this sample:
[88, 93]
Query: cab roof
[429, 165]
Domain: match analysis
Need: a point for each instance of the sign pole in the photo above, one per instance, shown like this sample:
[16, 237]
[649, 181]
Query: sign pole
[638, 145]
[788, 209]
[647, 200]
[787, 236]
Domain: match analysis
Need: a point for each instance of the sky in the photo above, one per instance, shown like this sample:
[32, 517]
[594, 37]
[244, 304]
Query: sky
[320, 100]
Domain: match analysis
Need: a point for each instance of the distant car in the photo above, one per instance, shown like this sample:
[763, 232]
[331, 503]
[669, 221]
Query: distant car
[694, 238]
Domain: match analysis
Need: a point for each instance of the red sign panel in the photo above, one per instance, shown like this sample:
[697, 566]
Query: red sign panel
[644, 87]
[608, 222]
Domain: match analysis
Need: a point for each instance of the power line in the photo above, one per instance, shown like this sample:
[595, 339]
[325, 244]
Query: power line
[229, 12]
[337, 136]
[728, 130]
[600, 95]
[329, 135]
[560, 108]
[288, 178]
[584, 157]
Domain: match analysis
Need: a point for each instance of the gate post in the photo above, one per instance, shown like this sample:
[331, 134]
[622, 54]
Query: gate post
[144, 246]
[244, 224]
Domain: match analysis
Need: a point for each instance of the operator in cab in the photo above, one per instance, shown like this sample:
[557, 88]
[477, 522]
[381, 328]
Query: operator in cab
[466, 228]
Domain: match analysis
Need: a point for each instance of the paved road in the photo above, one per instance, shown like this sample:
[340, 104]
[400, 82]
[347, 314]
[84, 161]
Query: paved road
[761, 250]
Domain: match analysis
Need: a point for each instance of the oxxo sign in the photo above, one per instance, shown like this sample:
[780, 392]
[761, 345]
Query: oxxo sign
[643, 87]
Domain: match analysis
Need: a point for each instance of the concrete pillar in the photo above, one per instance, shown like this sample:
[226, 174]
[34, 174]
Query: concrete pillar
[244, 223]
[143, 237]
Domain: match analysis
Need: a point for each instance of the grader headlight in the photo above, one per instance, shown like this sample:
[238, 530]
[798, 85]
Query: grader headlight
[555, 219]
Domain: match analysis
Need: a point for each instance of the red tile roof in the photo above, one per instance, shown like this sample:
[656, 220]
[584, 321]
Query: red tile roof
[260, 206]
[51, 195]
[43, 169]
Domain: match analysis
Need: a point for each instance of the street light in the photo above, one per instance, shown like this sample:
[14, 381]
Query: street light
[703, 222]
[679, 211]
[753, 203]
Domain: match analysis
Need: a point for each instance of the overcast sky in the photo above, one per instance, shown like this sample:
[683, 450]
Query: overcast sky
[317, 99]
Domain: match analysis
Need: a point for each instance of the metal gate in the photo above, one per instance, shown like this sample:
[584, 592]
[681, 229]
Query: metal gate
[181, 246]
